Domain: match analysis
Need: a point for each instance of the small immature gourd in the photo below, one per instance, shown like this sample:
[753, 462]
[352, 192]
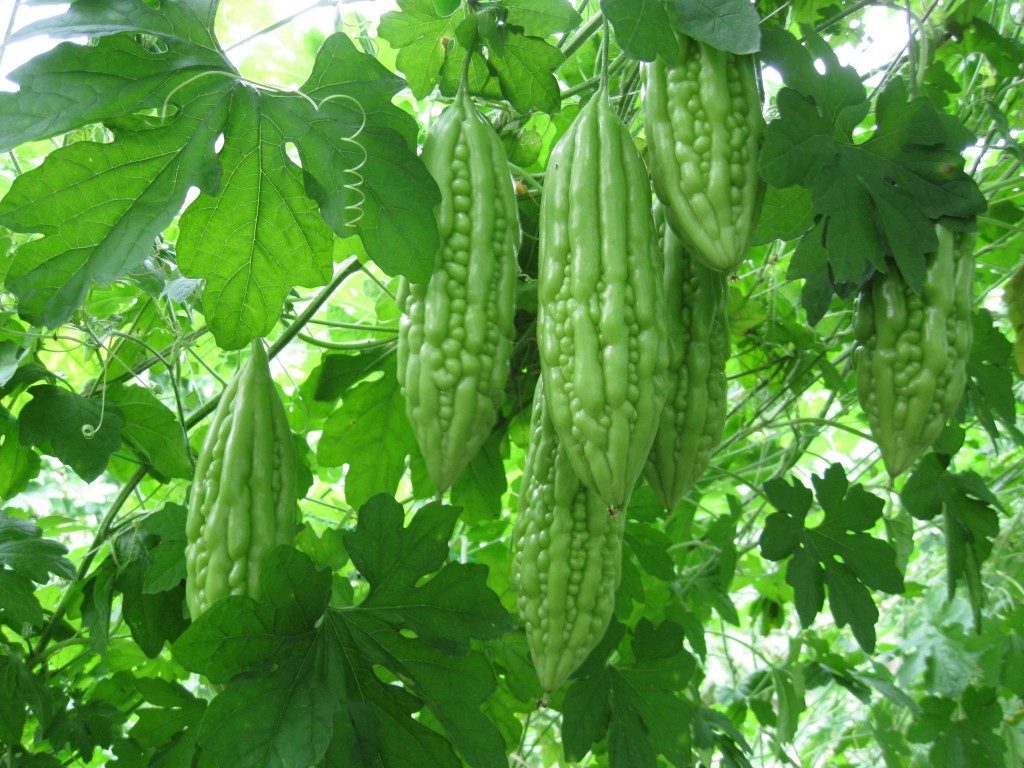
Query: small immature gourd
[912, 349]
[566, 557]
[694, 416]
[455, 338]
[601, 306]
[703, 123]
[242, 502]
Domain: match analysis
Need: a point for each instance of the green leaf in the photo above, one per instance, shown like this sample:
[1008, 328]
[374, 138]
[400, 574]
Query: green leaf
[586, 714]
[450, 608]
[785, 215]
[540, 18]
[281, 720]
[990, 372]
[229, 639]
[922, 493]
[54, 421]
[24, 551]
[479, 488]
[839, 553]
[729, 25]
[642, 29]
[19, 604]
[154, 618]
[260, 236]
[340, 371]
[91, 236]
[877, 197]
[117, 75]
[636, 704]
[359, 158]
[18, 464]
[185, 21]
[417, 31]
[166, 568]
[961, 736]
[524, 66]
[370, 433]
[12, 706]
[152, 429]
[651, 549]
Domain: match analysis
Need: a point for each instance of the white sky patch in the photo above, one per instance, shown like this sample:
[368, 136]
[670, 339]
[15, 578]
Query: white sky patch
[17, 53]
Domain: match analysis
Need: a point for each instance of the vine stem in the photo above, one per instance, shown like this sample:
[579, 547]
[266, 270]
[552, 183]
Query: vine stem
[194, 418]
[83, 568]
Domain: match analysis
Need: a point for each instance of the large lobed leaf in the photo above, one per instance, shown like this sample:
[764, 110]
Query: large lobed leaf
[261, 225]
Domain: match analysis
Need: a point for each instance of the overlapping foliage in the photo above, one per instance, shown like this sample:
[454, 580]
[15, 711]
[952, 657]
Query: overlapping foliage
[161, 209]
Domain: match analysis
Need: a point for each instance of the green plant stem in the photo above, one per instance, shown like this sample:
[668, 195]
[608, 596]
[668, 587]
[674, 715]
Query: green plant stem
[280, 23]
[570, 44]
[83, 568]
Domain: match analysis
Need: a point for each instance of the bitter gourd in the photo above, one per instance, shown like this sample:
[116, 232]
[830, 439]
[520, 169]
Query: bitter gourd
[694, 415]
[703, 123]
[912, 348]
[567, 557]
[1013, 299]
[455, 337]
[243, 501]
[601, 308]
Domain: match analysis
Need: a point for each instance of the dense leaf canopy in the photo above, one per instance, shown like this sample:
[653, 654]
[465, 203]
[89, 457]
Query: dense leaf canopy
[181, 177]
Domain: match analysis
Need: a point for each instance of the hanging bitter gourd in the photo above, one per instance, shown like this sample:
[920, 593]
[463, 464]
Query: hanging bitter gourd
[566, 558]
[703, 123]
[601, 306]
[694, 415]
[912, 349]
[243, 500]
[455, 337]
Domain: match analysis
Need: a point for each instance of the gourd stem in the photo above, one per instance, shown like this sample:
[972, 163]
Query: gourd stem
[464, 74]
[604, 54]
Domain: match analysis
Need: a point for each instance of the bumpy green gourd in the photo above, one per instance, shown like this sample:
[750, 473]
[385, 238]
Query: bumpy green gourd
[601, 306]
[455, 338]
[694, 415]
[703, 123]
[566, 559]
[912, 350]
[243, 493]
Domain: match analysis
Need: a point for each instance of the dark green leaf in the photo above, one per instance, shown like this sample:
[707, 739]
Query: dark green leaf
[729, 25]
[524, 67]
[479, 488]
[57, 421]
[152, 429]
[586, 714]
[540, 18]
[18, 465]
[642, 29]
[416, 32]
[23, 551]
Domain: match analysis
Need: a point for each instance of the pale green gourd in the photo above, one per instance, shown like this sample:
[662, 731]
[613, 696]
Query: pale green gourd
[455, 337]
[566, 557]
[242, 502]
[601, 306]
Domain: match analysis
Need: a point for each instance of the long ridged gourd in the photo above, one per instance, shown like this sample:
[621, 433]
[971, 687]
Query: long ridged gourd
[703, 123]
[694, 415]
[566, 558]
[601, 307]
[455, 337]
[912, 349]
[243, 501]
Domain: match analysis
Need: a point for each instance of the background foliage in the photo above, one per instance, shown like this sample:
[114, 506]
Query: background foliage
[797, 608]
